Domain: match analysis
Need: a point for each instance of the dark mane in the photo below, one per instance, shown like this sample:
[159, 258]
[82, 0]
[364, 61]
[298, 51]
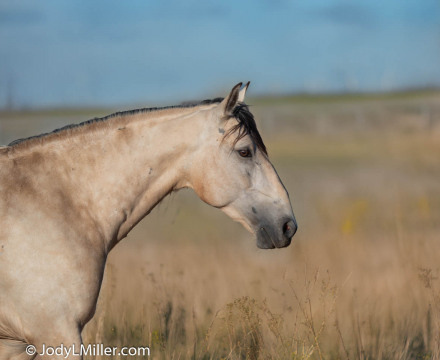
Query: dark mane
[119, 114]
[246, 126]
[246, 123]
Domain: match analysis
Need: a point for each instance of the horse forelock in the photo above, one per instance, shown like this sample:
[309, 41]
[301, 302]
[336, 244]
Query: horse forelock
[246, 126]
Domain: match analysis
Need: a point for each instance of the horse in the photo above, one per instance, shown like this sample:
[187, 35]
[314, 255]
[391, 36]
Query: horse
[69, 196]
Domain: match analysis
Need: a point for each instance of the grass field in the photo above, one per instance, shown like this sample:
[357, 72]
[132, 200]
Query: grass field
[360, 280]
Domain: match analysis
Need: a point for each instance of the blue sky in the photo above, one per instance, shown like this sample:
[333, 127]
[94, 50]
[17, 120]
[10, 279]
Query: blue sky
[102, 52]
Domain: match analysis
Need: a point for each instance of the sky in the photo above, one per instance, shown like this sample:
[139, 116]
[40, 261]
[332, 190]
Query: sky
[108, 53]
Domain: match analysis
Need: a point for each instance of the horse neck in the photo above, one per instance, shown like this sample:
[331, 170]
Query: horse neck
[121, 172]
[149, 161]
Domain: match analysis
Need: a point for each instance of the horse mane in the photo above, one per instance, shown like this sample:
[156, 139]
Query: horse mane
[115, 115]
[246, 123]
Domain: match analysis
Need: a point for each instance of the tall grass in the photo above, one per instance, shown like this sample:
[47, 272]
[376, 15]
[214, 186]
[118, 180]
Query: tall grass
[237, 304]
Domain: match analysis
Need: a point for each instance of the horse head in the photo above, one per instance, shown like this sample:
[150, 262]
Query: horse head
[231, 170]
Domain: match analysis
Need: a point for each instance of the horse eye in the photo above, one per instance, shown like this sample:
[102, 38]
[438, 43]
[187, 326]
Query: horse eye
[245, 153]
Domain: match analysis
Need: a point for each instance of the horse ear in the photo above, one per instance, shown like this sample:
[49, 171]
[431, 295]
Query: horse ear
[230, 101]
[242, 92]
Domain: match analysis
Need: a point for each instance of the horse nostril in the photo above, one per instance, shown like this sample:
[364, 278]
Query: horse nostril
[289, 229]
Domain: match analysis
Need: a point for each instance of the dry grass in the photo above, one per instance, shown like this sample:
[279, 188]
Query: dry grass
[360, 281]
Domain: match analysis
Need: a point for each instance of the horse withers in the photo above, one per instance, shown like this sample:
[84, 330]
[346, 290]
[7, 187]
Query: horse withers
[68, 197]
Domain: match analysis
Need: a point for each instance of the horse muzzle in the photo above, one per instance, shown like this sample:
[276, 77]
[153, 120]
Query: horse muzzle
[278, 236]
